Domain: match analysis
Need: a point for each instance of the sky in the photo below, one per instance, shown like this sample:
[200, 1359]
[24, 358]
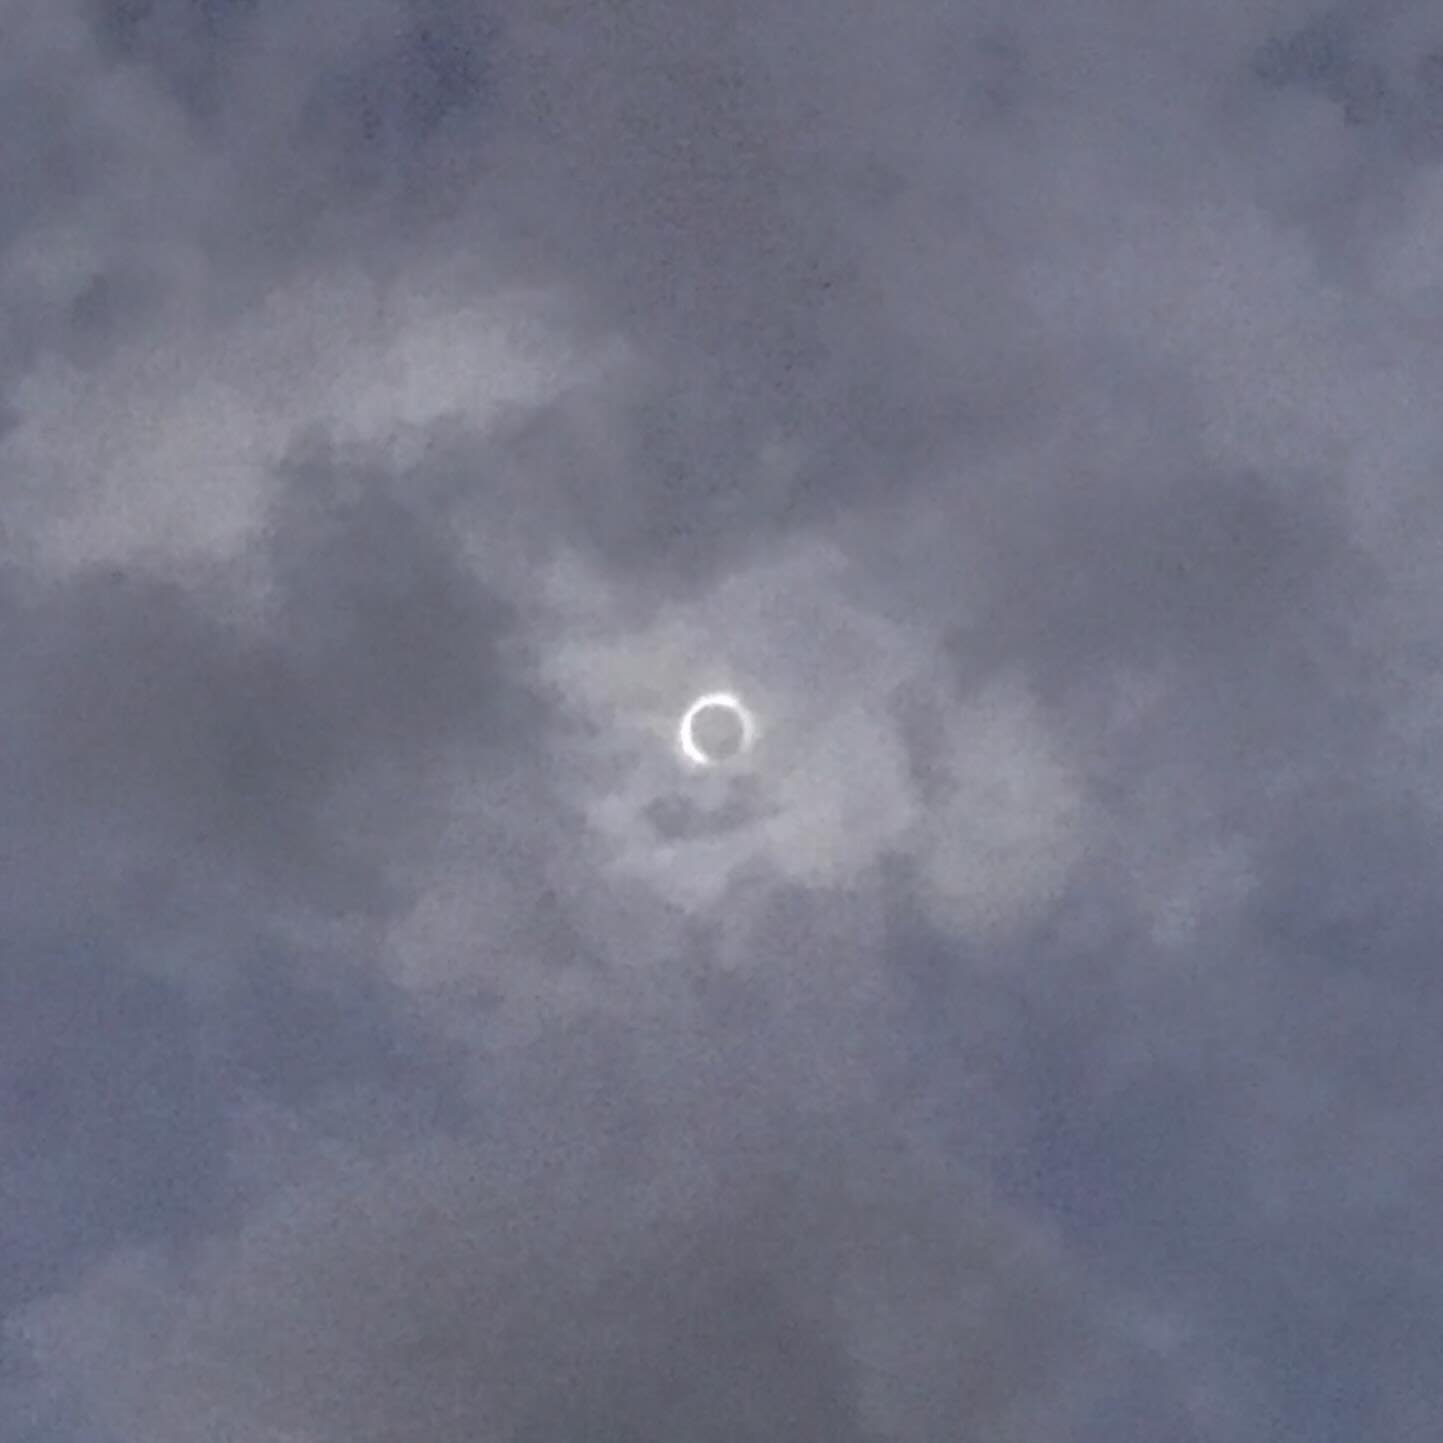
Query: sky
[407, 408]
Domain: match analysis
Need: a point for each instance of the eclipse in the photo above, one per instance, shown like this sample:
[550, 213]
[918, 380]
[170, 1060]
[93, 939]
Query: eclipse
[715, 729]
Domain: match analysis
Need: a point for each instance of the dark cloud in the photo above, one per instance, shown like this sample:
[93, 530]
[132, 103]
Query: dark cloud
[151, 719]
[582, 1273]
[417, 64]
[408, 407]
[115, 1122]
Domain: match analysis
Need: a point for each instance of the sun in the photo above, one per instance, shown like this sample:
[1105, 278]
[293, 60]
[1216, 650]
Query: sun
[715, 729]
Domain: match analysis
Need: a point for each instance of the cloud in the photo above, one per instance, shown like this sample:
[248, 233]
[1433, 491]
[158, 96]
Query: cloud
[837, 782]
[773, 1276]
[409, 407]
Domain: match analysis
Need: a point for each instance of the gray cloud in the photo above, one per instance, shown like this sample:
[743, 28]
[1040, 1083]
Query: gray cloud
[408, 408]
[581, 1272]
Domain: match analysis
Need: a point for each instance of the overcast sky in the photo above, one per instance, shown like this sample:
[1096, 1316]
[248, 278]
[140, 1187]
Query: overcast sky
[407, 407]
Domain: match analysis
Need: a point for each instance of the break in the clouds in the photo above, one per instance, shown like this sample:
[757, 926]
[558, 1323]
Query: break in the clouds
[408, 409]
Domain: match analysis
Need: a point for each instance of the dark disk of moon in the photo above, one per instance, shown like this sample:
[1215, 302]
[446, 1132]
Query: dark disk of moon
[718, 731]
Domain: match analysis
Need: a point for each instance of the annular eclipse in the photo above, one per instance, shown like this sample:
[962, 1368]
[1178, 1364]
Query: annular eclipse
[715, 729]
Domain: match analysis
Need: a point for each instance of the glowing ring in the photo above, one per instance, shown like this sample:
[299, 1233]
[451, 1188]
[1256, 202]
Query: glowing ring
[687, 742]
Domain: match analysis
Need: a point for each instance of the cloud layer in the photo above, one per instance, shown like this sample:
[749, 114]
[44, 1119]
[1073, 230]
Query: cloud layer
[407, 408]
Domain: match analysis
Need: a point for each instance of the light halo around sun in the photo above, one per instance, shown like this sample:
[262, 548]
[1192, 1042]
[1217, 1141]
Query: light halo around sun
[686, 741]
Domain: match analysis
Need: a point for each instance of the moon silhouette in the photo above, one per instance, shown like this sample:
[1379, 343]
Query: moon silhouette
[716, 728]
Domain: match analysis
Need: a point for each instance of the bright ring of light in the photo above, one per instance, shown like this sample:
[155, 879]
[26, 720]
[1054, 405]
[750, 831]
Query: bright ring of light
[687, 741]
